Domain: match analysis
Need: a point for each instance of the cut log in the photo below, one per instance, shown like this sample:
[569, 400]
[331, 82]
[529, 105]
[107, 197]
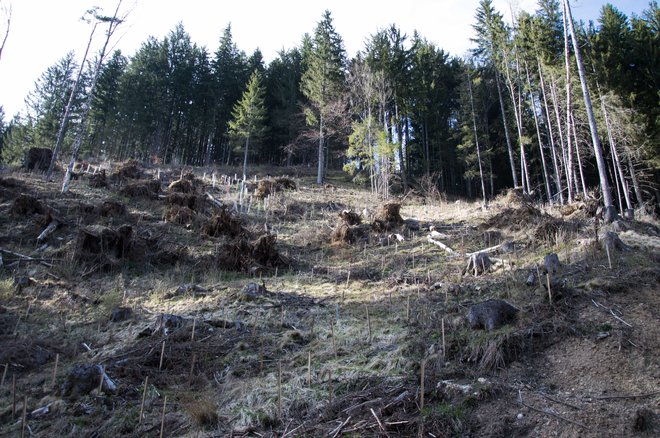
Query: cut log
[504, 246]
[440, 245]
[215, 201]
[50, 229]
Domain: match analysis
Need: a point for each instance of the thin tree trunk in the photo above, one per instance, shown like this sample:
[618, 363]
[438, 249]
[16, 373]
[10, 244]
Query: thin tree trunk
[524, 176]
[633, 177]
[476, 142]
[615, 159]
[564, 157]
[245, 157]
[569, 112]
[67, 109]
[114, 22]
[427, 155]
[548, 191]
[319, 174]
[402, 162]
[512, 159]
[610, 212]
[551, 136]
[579, 158]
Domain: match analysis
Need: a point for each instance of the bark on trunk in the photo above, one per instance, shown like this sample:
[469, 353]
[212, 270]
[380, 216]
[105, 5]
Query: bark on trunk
[610, 212]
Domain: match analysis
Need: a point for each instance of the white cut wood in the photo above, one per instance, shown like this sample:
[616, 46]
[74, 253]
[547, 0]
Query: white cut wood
[440, 245]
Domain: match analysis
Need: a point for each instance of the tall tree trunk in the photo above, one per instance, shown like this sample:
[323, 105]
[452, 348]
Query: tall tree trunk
[633, 177]
[512, 159]
[114, 22]
[610, 212]
[615, 159]
[538, 135]
[427, 154]
[476, 142]
[67, 109]
[402, 162]
[579, 158]
[570, 174]
[564, 155]
[321, 168]
[546, 111]
[245, 157]
[515, 100]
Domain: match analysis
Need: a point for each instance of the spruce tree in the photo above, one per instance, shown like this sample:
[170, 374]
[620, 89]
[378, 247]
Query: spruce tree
[323, 81]
[249, 115]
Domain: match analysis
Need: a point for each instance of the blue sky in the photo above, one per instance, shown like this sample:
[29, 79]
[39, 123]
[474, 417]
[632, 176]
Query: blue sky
[43, 31]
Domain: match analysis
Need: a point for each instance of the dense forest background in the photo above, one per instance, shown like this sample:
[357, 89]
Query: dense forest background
[401, 113]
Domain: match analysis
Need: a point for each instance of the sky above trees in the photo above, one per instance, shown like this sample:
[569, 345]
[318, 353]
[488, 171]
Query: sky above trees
[43, 31]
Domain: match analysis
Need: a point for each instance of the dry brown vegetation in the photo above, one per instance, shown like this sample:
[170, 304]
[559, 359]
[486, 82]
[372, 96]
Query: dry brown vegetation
[290, 315]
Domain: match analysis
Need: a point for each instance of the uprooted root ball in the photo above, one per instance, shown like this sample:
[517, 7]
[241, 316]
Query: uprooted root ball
[269, 186]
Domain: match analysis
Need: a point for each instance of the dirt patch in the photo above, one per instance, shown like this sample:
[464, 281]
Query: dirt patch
[27, 354]
[112, 208]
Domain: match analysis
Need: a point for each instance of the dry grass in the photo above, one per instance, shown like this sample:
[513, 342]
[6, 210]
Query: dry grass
[409, 287]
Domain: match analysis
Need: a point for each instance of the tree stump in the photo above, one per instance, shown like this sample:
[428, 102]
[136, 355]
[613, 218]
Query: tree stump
[491, 314]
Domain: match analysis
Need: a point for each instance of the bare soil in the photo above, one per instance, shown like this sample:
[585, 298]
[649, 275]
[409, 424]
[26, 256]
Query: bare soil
[218, 314]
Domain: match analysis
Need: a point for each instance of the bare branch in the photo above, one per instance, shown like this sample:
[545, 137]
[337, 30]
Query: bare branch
[6, 12]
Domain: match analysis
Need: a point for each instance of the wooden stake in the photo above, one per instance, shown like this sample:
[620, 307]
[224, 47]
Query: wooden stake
[162, 356]
[24, 416]
[4, 375]
[309, 368]
[13, 391]
[144, 397]
[442, 326]
[334, 343]
[368, 324]
[102, 378]
[549, 289]
[279, 389]
[421, 385]
[162, 418]
[192, 336]
[348, 278]
[609, 259]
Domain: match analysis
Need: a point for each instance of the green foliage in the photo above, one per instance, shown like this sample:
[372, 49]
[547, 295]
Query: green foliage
[249, 113]
[323, 80]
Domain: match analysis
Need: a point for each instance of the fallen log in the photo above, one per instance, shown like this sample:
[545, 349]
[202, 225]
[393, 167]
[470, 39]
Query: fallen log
[50, 229]
[503, 245]
[440, 245]
[215, 201]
